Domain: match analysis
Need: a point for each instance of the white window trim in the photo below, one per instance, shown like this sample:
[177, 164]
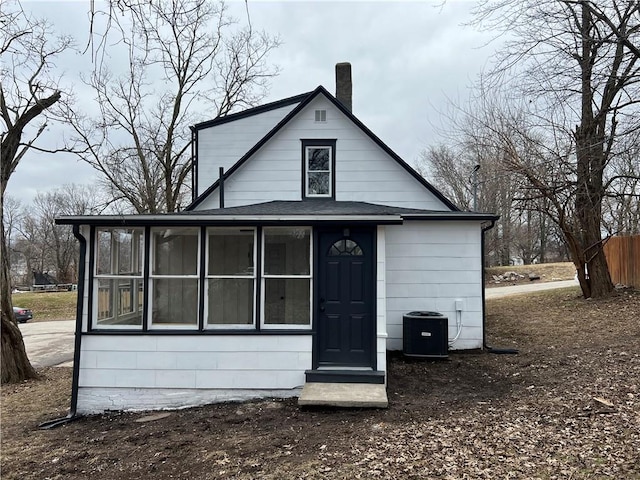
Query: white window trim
[307, 171]
[229, 326]
[152, 277]
[263, 277]
[115, 267]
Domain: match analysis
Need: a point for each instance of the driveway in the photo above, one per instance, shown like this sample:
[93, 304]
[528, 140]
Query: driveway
[497, 292]
[49, 344]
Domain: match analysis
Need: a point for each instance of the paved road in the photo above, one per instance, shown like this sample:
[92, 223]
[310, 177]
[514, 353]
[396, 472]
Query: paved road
[51, 343]
[497, 292]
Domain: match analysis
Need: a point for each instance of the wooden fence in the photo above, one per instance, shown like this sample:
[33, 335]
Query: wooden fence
[123, 305]
[623, 257]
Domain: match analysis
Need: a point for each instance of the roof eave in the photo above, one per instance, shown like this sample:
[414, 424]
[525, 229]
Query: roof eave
[194, 219]
[267, 107]
[462, 216]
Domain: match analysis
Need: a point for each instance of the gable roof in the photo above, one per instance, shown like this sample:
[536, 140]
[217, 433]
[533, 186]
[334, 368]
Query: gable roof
[306, 99]
[267, 107]
[43, 278]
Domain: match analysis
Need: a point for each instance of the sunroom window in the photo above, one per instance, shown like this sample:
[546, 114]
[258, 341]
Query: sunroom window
[118, 277]
[286, 280]
[174, 277]
[230, 287]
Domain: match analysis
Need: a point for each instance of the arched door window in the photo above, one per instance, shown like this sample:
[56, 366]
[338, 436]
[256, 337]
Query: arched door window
[345, 247]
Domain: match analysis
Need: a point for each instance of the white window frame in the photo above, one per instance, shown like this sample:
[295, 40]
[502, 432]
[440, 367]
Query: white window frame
[114, 259]
[307, 171]
[320, 115]
[152, 277]
[264, 277]
[207, 277]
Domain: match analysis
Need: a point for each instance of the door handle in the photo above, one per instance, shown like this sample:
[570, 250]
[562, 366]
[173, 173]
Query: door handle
[322, 304]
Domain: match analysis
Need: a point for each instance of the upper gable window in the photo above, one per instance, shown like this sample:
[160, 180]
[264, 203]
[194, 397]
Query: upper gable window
[321, 116]
[319, 171]
[319, 168]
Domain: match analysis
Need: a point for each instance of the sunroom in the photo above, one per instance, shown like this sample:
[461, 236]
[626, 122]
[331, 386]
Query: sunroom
[252, 269]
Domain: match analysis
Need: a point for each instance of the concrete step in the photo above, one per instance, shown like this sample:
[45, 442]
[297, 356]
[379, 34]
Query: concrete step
[348, 395]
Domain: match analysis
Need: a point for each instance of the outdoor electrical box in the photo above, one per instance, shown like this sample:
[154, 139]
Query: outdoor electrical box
[425, 334]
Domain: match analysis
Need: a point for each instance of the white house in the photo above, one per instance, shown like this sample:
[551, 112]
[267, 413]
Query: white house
[307, 241]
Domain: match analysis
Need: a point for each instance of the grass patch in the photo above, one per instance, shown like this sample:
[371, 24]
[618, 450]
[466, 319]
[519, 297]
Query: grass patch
[546, 271]
[47, 305]
[563, 319]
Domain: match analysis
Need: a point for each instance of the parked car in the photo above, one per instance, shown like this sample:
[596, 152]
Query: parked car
[22, 315]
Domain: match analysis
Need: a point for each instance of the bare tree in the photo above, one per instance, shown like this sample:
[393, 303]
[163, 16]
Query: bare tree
[530, 236]
[185, 58]
[26, 93]
[31, 245]
[576, 65]
[55, 244]
[11, 216]
[450, 171]
[621, 207]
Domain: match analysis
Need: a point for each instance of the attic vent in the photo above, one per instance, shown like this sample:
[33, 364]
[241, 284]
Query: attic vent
[321, 115]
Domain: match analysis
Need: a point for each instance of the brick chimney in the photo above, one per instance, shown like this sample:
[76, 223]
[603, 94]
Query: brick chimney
[343, 84]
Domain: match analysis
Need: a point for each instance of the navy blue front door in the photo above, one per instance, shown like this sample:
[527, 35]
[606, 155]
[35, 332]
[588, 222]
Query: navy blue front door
[344, 298]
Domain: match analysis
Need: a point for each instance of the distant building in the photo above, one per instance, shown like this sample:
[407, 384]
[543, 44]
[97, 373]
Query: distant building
[43, 281]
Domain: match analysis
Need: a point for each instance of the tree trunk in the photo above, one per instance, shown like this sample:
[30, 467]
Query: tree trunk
[15, 365]
[599, 280]
[543, 237]
[588, 205]
[590, 162]
[577, 257]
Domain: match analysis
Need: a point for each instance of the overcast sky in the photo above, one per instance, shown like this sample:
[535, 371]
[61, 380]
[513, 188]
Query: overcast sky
[408, 60]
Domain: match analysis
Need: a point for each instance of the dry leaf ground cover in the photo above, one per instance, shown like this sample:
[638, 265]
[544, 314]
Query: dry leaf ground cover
[566, 407]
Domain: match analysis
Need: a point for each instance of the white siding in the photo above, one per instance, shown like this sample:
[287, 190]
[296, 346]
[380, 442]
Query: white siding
[430, 265]
[223, 145]
[140, 372]
[364, 172]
